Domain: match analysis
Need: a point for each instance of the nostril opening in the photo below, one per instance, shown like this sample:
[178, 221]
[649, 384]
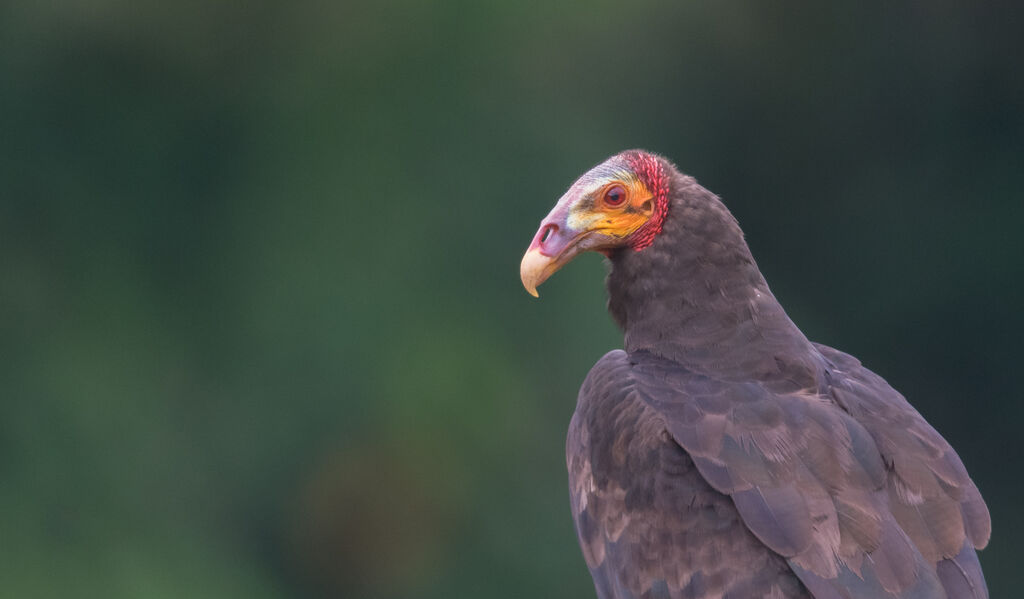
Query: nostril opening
[546, 234]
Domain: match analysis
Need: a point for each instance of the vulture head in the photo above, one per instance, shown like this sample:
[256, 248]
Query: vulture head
[619, 203]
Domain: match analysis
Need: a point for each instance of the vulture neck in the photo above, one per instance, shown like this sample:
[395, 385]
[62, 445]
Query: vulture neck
[696, 296]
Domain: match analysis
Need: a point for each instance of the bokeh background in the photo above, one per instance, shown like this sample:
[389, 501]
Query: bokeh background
[262, 328]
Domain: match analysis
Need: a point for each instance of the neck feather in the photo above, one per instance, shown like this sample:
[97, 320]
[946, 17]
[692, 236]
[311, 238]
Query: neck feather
[696, 296]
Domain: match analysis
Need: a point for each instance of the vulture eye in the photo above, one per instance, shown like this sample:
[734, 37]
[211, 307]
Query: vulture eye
[615, 196]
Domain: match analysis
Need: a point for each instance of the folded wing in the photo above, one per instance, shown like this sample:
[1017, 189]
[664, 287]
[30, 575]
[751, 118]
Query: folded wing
[860, 495]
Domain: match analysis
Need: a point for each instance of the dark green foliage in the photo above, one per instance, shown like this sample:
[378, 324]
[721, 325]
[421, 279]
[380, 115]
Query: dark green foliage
[263, 333]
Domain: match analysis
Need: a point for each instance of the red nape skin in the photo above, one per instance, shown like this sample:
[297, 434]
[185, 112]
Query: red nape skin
[650, 170]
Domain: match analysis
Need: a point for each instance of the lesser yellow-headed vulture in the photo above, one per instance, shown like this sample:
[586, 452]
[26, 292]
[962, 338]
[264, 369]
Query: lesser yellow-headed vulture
[723, 455]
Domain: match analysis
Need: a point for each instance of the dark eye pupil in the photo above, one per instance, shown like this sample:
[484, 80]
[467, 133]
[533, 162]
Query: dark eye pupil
[615, 196]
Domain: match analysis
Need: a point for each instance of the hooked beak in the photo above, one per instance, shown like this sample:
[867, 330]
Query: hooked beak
[553, 246]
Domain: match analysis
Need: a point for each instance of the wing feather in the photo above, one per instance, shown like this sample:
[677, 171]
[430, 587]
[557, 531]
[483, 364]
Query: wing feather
[848, 483]
[680, 482]
[649, 524]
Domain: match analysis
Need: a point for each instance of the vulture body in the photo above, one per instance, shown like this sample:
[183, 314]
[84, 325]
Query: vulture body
[723, 455]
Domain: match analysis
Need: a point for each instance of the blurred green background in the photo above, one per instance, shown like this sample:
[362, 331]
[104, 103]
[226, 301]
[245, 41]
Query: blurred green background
[263, 331]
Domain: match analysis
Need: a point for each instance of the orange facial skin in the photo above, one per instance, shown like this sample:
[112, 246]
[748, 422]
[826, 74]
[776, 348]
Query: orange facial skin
[618, 220]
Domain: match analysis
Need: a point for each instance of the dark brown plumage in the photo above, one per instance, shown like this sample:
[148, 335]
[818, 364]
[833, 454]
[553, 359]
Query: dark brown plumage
[722, 454]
